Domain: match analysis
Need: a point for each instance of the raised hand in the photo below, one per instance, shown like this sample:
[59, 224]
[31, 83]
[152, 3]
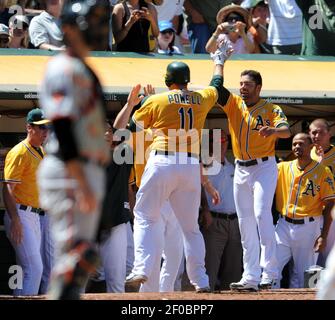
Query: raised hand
[223, 52]
[149, 90]
[134, 98]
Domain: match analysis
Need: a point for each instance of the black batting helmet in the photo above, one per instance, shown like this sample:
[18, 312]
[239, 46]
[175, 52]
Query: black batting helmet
[177, 72]
[92, 17]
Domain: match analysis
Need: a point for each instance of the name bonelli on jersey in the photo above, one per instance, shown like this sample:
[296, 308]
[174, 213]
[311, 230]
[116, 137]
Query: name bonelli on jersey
[184, 98]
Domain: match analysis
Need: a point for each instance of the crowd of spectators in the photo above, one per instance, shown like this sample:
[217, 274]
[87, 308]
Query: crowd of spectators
[291, 27]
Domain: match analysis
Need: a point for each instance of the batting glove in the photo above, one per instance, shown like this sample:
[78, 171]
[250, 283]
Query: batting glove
[223, 52]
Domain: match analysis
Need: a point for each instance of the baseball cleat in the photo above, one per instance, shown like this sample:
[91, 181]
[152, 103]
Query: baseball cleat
[267, 284]
[135, 279]
[243, 285]
[203, 290]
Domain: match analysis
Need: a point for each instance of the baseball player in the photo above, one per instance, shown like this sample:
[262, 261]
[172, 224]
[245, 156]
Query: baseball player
[112, 232]
[254, 125]
[173, 171]
[72, 176]
[170, 248]
[20, 194]
[324, 152]
[220, 224]
[305, 193]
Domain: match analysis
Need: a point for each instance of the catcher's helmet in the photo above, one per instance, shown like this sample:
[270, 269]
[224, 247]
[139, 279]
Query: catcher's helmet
[177, 72]
[92, 17]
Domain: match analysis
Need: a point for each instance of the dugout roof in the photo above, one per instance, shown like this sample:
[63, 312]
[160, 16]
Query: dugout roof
[304, 87]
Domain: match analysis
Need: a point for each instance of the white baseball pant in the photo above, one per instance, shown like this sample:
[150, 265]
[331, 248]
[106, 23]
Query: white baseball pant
[163, 277]
[297, 241]
[165, 179]
[254, 188]
[28, 252]
[173, 252]
[113, 252]
[130, 249]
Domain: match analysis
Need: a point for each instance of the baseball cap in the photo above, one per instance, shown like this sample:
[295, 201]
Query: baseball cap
[254, 3]
[36, 116]
[4, 29]
[165, 25]
[20, 21]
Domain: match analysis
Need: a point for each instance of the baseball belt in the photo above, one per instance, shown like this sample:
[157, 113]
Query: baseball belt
[248, 163]
[297, 221]
[39, 211]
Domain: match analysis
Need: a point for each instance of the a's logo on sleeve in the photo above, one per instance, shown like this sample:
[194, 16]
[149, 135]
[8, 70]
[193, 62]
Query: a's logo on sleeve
[330, 182]
[279, 112]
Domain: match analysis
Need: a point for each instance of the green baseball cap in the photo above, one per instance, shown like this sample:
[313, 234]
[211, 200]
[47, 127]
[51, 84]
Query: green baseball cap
[36, 116]
[255, 3]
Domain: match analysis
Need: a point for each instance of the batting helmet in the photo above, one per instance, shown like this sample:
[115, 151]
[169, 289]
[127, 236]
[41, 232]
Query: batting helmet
[92, 17]
[177, 72]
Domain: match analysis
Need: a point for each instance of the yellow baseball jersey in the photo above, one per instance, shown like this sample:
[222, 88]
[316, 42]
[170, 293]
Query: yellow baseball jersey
[244, 124]
[176, 118]
[21, 164]
[301, 193]
[142, 152]
[328, 159]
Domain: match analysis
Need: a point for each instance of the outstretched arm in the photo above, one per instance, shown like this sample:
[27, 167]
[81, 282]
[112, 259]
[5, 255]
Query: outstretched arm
[280, 132]
[123, 116]
[219, 57]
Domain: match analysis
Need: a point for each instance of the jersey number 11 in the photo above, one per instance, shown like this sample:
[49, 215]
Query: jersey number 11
[183, 115]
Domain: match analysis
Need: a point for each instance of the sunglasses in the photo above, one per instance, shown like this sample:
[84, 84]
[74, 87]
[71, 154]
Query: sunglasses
[234, 19]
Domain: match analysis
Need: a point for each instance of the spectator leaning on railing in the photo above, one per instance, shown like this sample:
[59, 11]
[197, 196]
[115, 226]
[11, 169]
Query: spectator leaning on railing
[132, 20]
[4, 36]
[233, 25]
[285, 27]
[259, 11]
[166, 38]
[18, 30]
[44, 29]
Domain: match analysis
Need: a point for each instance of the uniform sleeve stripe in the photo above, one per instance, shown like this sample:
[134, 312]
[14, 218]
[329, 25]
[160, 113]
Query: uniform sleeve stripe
[137, 124]
[329, 197]
[281, 124]
[10, 181]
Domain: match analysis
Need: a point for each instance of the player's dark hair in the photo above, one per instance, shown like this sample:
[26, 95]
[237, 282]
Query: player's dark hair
[254, 75]
[323, 121]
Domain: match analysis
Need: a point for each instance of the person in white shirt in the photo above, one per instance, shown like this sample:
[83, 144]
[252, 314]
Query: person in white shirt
[285, 27]
[44, 29]
[219, 222]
